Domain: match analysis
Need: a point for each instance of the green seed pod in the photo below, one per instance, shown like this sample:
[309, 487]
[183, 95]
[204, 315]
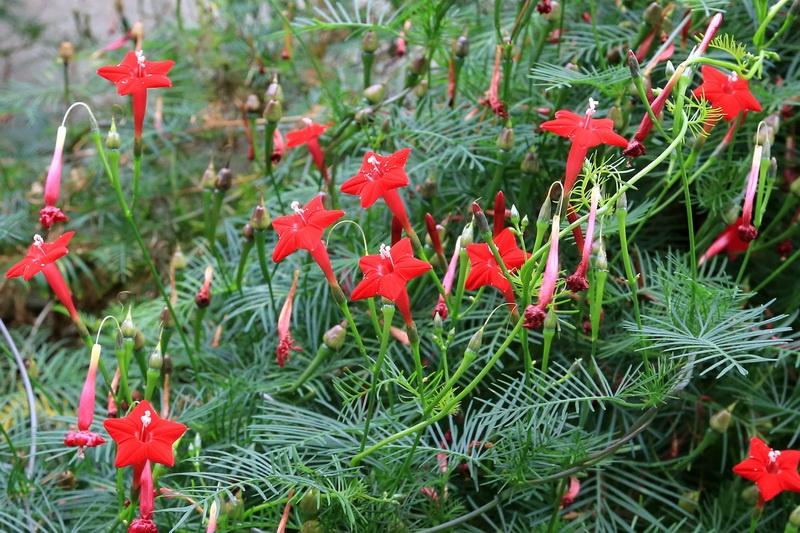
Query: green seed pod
[461, 47]
[334, 338]
[310, 504]
[505, 141]
[113, 140]
[374, 94]
[273, 111]
[369, 43]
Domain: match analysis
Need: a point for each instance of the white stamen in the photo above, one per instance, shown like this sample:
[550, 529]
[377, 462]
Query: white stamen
[372, 160]
[733, 78]
[385, 252]
[296, 207]
[38, 241]
[140, 57]
[592, 106]
[146, 419]
[773, 455]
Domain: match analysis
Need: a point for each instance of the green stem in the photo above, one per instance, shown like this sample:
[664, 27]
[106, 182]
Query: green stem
[261, 252]
[248, 245]
[388, 314]
[146, 255]
[446, 409]
[622, 217]
[323, 352]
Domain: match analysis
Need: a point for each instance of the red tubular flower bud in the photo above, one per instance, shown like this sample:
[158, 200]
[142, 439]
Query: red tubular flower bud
[203, 297]
[499, 212]
[433, 233]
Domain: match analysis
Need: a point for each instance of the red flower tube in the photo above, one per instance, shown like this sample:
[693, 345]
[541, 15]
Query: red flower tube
[51, 214]
[578, 282]
[309, 136]
[728, 241]
[492, 98]
[285, 340]
[535, 314]
[83, 437]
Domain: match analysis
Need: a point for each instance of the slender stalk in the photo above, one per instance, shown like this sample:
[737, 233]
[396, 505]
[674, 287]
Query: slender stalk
[261, 252]
[388, 314]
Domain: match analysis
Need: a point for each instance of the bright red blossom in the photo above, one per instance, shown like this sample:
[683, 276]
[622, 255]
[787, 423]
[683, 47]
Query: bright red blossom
[41, 258]
[134, 76]
[144, 436]
[772, 470]
[387, 273]
[728, 92]
[727, 241]
[378, 177]
[309, 136]
[484, 269]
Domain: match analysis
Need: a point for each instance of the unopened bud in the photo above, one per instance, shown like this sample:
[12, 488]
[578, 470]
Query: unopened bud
[369, 43]
[311, 526]
[167, 322]
[113, 140]
[274, 91]
[475, 343]
[418, 66]
[530, 163]
[720, 421]
[615, 114]
[260, 218]
[601, 262]
[207, 181]
[139, 340]
[178, 260]
[669, 69]
[252, 104]
[248, 232]
[794, 518]
[480, 219]
[622, 202]
[652, 14]
[633, 65]
[224, 180]
[310, 504]
[688, 501]
[334, 338]
[750, 495]
[437, 322]
[505, 141]
[156, 358]
[461, 47]
[374, 93]
[466, 235]
[421, 89]
[127, 328]
[66, 51]
[550, 321]
[273, 111]
[514, 214]
[544, 213]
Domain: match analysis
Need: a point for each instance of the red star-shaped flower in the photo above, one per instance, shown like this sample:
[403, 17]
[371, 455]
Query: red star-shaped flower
[136, 74]
[40, 254]
[728, 92]
[584, 132]
[143, 436]
[387, 273]
[484, 269]
[772, 470]
[303, 231]
[378, 175]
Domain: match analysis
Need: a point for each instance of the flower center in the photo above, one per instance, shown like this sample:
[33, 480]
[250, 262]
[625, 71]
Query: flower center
[773, 467]
[375, 173]
[728, 88]
[590, 111]
[385, 252]
[140, 59]
[38, 242]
